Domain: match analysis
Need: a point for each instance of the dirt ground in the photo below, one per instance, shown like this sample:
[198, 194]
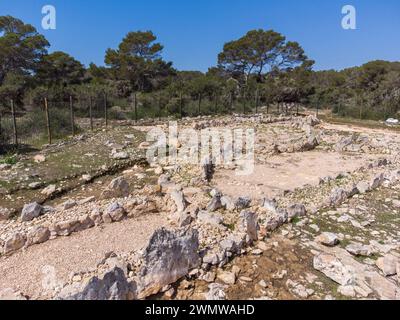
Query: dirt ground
[287, 172]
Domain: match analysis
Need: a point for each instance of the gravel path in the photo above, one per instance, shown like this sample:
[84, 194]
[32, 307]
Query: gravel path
[23, 271]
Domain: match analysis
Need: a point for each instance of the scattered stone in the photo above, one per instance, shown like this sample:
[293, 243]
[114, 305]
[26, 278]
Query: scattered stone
[38, 235]
[337, 197]
[296, 211]
[120, 155]
[363, 187]
[118, 188]
[334, 269]
[216, 292]
[49, 191]
[215, 203]
[69, 204]
[14, 243]
[228, 203]
[242, 203]
[387, 265]
[179, 200]
[210, 218]
[39, 158]
[11, 295]
[31, 211]
[248, 224]
[112, 286]
[328, 239]
[358, 250]
[4, 214]
[116, 212]
[227, 277]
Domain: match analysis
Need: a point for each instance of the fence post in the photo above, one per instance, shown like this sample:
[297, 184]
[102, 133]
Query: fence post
[71, 108]
[105, 109]
[256, 101]
[216, 103]
[91, 112]
[14, 123]
[181, 104]
[159, 108]
[244, 103]
[46, 109]
[199, 106]
[135, 105]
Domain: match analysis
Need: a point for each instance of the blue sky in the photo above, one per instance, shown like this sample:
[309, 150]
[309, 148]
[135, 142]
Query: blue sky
[194, 31]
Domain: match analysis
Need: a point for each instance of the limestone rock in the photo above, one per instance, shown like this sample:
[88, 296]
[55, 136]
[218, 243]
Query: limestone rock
[4, 214]
[14, 243]
[216, 292]
[358, 249]
[248, 224]
[168, 257]
[363, 187]
[227, 277]
[210, 218]
[118, 188]
[38, 235]
[242, 203]
[328, 239]
[337, 197]
[334, 269]
[112, 286]
[39, 158]
[387, 265]
[296, 210]
[116, 212]
[179, 200]
[49, 190]
[31, 211]
[11, 295]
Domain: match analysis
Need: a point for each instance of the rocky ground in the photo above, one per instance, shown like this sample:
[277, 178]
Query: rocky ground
[318, 218]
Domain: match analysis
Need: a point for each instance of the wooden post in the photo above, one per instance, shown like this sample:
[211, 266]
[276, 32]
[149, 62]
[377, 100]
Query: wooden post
[91, 112]
[231, 102]
[46, 110]
[244, 103]
[105, 109]
[159, 108]
[215, 103]
[0, 126]
[181, 104]
[135, 106]
[256, 100]
[71, 108]
[14, 123]
[199, 106]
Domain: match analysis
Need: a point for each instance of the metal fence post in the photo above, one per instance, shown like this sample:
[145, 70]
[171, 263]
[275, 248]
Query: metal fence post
[14, 123]
[46, 109]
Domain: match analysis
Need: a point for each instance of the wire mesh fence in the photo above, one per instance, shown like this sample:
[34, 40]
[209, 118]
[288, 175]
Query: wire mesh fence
[51, 120]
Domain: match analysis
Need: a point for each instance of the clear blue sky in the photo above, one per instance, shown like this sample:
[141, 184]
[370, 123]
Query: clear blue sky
[194, 31]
